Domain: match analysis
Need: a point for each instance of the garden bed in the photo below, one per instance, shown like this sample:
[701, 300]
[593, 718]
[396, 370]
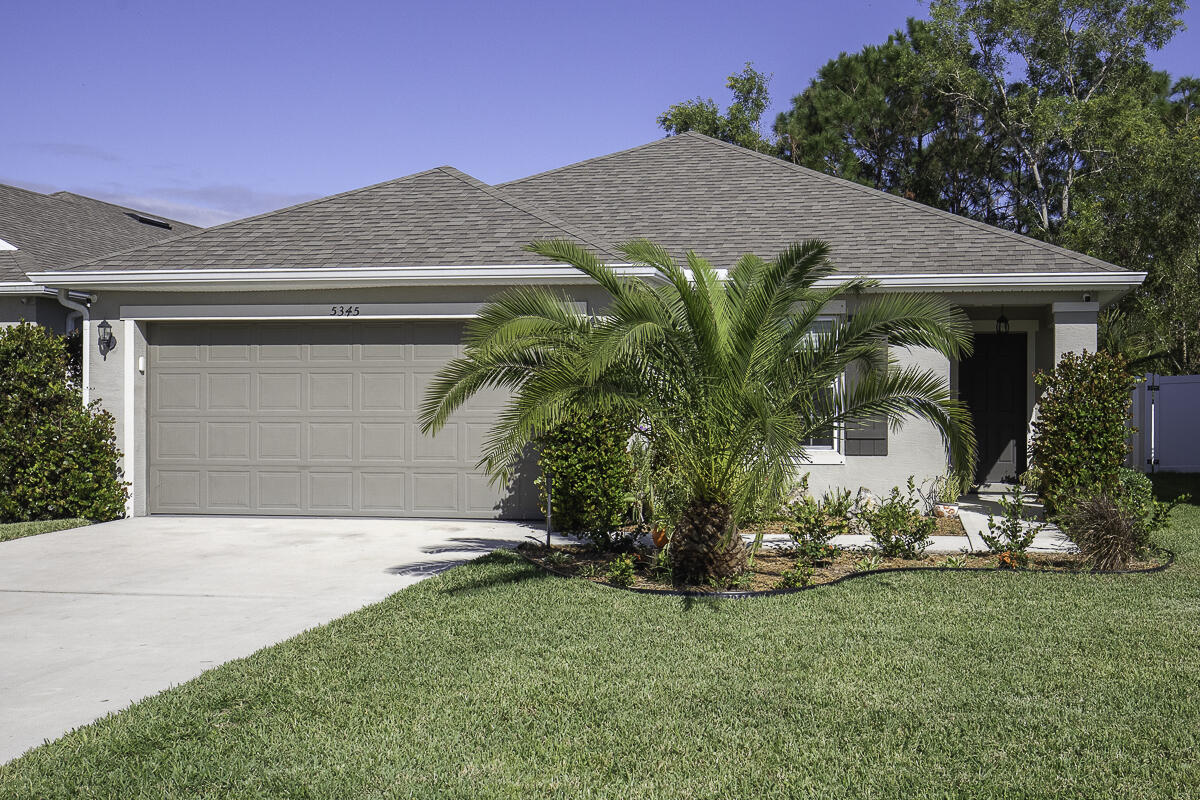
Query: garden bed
[767, 571]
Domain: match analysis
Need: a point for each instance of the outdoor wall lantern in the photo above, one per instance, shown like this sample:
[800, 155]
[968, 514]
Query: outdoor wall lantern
[104, 338]
[1002, 322]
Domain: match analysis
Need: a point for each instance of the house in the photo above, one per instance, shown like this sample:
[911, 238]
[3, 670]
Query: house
[49, 231]
[274, 365]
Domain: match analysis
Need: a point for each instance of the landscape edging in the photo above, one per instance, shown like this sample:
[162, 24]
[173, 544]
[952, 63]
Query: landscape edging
[744, 595]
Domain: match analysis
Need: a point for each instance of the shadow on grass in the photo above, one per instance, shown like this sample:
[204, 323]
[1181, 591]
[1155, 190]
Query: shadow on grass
[468, 544]
[519, 571]
[1169, 485]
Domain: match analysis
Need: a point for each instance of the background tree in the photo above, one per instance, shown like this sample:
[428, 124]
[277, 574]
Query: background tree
[871, 117]
[741, 122]
[1059, 84]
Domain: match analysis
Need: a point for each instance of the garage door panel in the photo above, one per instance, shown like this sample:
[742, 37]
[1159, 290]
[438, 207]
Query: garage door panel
[331, 491]
[177, 490]
[225, 441]
[229, 391]
[383, 391]
[331, 391]
[442, 446]
[177, 440]
[314, 418]
[436, 492]
[382, 441]
[279, 491]
[228, 490]
[280, 391]
[331, 441]
[178, 391]
[384, 492]
[279, 440]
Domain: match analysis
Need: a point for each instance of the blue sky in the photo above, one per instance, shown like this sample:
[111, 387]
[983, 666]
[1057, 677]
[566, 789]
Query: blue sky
[209, 111]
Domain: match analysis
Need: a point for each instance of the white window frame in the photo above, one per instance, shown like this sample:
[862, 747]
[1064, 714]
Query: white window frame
[837, 453]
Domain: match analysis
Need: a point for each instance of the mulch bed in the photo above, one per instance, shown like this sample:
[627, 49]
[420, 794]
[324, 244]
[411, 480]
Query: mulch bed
[766, 573]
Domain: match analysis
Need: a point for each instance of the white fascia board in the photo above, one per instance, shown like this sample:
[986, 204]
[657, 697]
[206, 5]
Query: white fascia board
[23, 288]
[186, 279]
[998, 281]
[6, 246]
[367, 277]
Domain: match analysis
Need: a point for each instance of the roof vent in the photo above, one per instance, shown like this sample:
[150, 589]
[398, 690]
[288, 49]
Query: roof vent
[142, 218]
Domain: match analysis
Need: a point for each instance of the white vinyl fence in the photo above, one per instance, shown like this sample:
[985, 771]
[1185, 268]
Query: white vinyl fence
[1166, 413]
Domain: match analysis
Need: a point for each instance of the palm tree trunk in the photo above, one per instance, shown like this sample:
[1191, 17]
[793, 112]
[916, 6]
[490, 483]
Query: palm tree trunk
[705, 545]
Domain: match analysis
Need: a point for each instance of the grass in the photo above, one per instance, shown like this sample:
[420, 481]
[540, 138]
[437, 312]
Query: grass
[496, 681]
[19, 530]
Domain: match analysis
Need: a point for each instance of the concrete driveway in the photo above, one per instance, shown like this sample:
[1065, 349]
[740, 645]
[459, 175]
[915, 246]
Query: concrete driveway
[95, 618]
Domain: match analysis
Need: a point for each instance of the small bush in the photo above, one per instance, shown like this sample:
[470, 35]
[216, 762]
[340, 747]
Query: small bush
[1014, 533]
[621, 571]
[58, 459]
[1079, 436]
[898, 528]
[659, 493]
[868, 563]
[1107, 534]
[797, 577]
[587, 466]
[813, 523]
[1114, 526]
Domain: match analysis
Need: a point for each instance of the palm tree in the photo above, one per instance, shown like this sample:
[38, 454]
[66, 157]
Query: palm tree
[729, 377]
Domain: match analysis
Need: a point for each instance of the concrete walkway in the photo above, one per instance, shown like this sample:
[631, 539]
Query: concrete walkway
[974, 509]
[96, 618]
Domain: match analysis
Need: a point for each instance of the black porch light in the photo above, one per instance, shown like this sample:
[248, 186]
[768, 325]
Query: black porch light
[104, 336]
[1001, 322]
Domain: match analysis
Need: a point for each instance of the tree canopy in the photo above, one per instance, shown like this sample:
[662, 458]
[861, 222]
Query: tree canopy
[1039, 116]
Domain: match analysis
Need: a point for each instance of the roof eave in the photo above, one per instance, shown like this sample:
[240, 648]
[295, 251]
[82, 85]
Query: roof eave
[358, 277]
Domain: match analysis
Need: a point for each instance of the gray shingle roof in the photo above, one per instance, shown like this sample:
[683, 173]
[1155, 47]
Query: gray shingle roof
[53, 230]
[691, 191]
[438, 217]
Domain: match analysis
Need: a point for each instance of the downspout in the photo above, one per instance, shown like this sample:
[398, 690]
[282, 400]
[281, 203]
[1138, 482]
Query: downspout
[79, 312]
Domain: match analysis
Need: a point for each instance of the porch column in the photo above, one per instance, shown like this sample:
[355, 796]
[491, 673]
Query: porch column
[1074, 328]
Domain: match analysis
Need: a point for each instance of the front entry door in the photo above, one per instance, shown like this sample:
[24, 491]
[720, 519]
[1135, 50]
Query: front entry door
[993, 382]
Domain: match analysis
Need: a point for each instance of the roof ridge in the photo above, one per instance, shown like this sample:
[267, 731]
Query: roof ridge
[587, 237]
[937, 212]
[233, 223]
[592, 160]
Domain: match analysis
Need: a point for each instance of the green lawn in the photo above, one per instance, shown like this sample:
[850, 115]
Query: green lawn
[494, 681]
[17, 530]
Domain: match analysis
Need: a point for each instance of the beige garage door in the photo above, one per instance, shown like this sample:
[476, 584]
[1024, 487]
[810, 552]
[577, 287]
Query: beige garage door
[314, 418]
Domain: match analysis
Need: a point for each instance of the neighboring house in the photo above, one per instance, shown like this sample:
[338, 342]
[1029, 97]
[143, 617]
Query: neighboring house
[274, 365]
[48, 231]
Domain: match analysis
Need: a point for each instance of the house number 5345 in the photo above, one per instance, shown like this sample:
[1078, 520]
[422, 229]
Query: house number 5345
[343, 311]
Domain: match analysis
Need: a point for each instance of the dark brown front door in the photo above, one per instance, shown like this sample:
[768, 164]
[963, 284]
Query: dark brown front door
[993, 382]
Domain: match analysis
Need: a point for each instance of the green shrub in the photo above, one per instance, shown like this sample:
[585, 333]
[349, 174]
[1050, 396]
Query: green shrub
[898, 527]
[1114, 526]
[813, 523]
[659, 491]
[1079, 436]
[587, 465]
[797, 577]
[621, 571]
[57, 458]
[1014, 533]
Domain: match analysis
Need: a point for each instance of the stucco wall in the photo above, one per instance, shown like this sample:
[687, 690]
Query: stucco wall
[915, 449]
[38, 310]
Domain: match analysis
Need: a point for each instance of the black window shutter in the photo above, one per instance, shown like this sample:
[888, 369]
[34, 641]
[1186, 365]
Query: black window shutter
[868, 437]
